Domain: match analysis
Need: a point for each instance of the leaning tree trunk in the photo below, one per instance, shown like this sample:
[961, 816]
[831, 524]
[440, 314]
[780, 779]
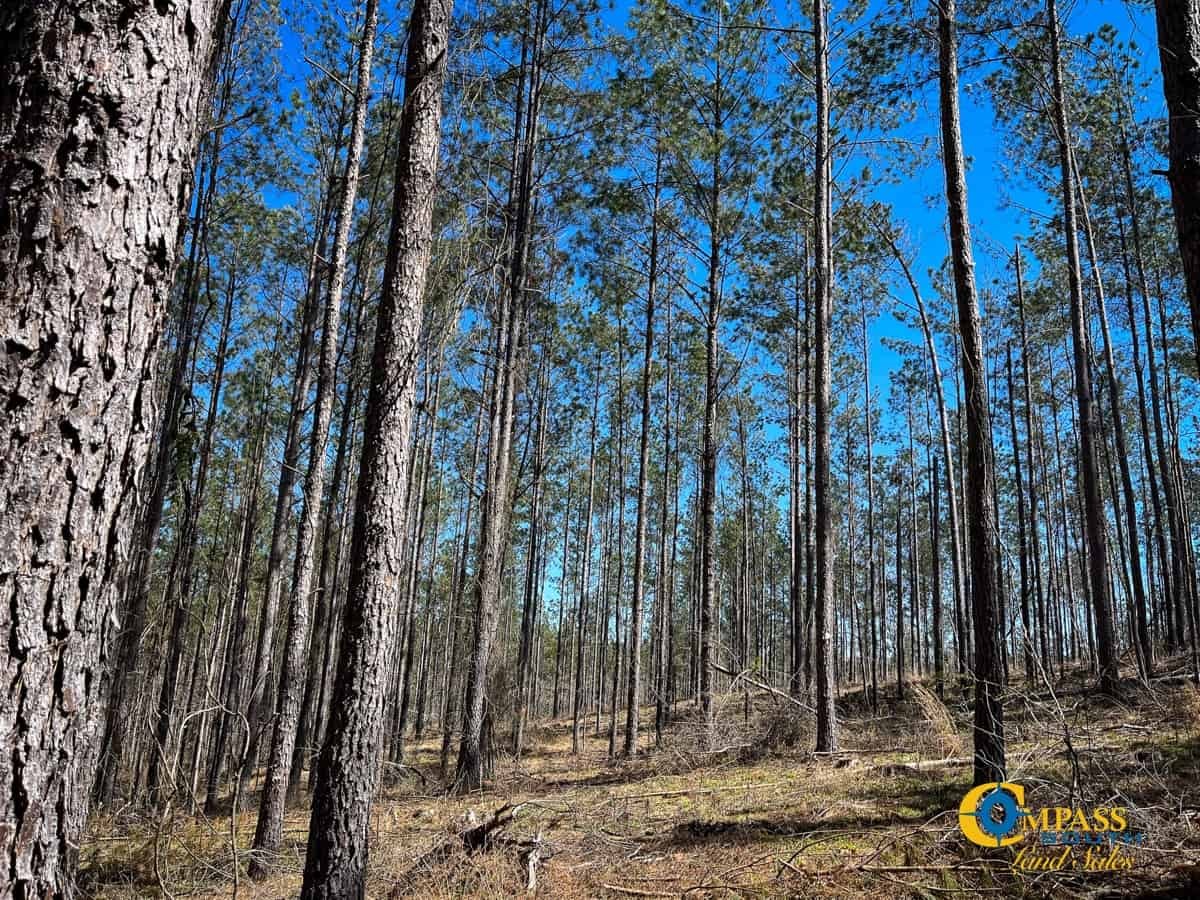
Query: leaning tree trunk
[1089, 474]
[348, 772]
[101, 113]
[985, 595]
[269, 831]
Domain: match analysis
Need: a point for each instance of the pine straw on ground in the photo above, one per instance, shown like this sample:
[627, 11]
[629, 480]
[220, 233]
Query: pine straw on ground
[755, 815]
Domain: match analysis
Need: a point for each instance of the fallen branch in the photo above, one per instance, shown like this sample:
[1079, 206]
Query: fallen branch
[399, 769]
[480, 837]
[634, 892]
[762, 686]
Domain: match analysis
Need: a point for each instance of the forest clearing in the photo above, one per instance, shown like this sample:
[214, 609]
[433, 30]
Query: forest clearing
[759, 816]
[574, 448]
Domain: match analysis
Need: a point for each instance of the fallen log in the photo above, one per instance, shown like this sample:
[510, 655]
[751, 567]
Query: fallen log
[923, 765]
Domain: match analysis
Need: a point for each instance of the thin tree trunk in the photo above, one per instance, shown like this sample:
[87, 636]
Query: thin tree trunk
[639, 541]
[985, 604]
[585, 575]
[872, 575]
[496, 503]
[822, 482]
[532, 596]
[453, 694]
[335, 866]
[666, 569]
[935, 527]
[1034, 543]
[269, 830]
[1141, 635]
[1022, 545]
[1093, 503]
[562, 597]
[188, 539]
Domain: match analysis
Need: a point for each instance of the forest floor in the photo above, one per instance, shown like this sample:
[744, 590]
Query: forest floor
[759, 815]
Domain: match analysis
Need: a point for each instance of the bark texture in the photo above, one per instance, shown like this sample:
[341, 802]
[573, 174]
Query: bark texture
[1179, 54]
[348, 771]
[823, 608]
[100, 112]
[985, 594]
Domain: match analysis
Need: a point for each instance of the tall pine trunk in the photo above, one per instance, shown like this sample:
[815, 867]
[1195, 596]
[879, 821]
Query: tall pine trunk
[1089, 473]
[348, 772]
[97, 150]
[269, 830]
[985, 599]
[822, 481]
[639, 541]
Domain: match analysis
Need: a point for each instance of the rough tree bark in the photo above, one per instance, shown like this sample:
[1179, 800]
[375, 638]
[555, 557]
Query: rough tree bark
[335, 865]
[985, 600]
[101, 107]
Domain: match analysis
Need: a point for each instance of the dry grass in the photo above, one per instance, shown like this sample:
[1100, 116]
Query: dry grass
[752, 815]
[943, 733]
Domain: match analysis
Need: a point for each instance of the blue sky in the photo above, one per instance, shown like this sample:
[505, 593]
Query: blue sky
[917, 200]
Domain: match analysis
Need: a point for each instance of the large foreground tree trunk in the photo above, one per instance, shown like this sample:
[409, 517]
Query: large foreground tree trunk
[348, 770]
[1179, 53]
[985, 594]
[100, 112]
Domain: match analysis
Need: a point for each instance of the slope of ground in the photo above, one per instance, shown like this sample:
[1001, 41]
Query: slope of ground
[751, 814]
